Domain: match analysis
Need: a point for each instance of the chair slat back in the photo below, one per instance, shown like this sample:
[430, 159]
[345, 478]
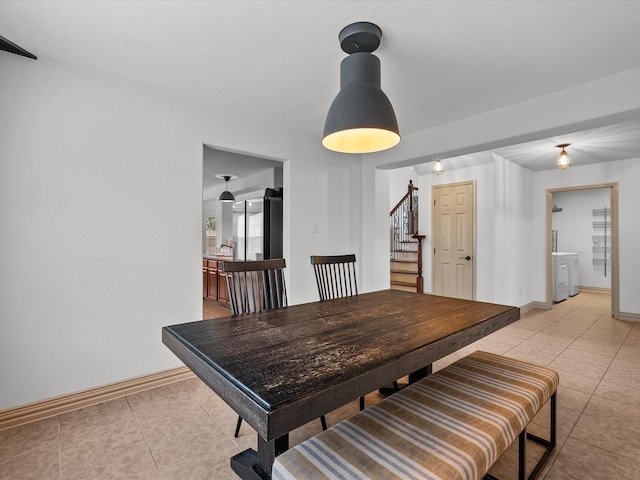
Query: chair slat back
[255, 286]
[335, 275]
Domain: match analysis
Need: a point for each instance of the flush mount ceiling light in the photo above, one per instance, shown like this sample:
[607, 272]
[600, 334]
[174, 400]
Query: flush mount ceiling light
[563, 159]
[438, 167]
[361, 118]
[226, 196]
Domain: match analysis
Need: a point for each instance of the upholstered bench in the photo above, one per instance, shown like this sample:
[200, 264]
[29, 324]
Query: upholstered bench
[453, 424]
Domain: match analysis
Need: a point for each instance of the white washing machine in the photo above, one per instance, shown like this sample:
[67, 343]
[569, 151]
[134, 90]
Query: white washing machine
[574, 274]
[560, 276]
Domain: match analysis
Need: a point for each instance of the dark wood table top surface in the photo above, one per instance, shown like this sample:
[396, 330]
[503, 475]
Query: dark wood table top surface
[278, 356]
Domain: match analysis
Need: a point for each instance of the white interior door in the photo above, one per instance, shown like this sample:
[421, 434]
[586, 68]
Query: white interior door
[453, 239]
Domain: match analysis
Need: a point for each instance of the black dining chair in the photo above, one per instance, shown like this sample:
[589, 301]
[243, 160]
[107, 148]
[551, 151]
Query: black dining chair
[336, 278]
[335, 275]
[256, 286]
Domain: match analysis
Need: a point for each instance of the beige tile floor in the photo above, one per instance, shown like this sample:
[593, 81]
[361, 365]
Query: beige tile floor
[184, 431]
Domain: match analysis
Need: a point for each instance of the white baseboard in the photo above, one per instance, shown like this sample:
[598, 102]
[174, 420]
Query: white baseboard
[15, 416]
[532, 306]
[596, 289]
[633, 317]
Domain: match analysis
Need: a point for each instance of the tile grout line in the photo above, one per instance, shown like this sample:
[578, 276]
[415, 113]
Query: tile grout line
[146, 442]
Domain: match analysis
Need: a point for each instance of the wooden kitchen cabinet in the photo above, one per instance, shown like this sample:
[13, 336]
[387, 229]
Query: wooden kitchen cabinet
[214, 281]
[223, 294]
[205, 278]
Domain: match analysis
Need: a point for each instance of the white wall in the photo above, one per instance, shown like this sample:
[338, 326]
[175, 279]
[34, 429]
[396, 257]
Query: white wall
[399, 182]
[483, 175]
[503, 229]
[375, 228]
[326, 193]
[100, 198]
[513, 233]
[575, 231]
[101, 207]
[91, 167]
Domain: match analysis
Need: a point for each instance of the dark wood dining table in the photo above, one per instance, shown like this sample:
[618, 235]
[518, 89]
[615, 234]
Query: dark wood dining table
[282, 368]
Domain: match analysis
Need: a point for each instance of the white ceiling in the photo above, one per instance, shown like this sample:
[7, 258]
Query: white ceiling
[619, 141]
[603, 144]
[277, 62]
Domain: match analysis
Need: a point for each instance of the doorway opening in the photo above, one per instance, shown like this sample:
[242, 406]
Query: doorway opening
[243, 227]
[601, 244]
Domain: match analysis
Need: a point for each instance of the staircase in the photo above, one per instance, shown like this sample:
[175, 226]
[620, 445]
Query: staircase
[406, 244]
[404, 267]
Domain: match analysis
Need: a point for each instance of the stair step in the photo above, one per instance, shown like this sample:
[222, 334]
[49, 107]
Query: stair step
[405, 255]
[408, 243]
[406, 247]
[405, 288]
[406, 284]
[404, 277]
[407, 268]
[404, 267]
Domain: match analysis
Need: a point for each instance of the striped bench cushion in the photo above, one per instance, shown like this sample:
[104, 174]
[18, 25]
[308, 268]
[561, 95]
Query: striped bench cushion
[454, 424]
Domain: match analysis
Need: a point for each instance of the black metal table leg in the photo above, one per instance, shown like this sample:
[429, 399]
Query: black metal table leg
[252, 465]
[413, 377]
[420, 374]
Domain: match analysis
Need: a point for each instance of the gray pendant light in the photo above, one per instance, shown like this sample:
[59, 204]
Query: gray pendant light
[361, 118]
[227, 196]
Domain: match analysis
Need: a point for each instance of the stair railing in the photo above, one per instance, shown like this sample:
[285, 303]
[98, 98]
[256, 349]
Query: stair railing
[404, 230]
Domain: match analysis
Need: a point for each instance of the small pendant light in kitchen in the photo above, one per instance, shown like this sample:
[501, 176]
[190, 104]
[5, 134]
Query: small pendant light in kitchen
[227, 196]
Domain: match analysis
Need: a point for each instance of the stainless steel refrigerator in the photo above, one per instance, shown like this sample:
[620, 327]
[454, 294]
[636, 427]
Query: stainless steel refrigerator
[257, 227]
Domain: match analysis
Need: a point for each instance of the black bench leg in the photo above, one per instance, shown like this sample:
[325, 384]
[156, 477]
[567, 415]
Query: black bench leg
[552, 439]
[549, 444]
[522, 447]
[522, 455]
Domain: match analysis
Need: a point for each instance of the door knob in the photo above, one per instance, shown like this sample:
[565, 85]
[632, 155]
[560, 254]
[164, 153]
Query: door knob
[465, 258]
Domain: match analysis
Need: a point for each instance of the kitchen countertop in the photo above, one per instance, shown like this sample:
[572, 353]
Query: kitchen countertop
[220, 258]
